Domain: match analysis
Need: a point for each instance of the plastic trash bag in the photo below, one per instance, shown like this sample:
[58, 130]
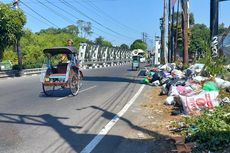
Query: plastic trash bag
[210, 86]
[170, 100]
[146, 81]
[199, 78]
[199, 102]
[222, 83]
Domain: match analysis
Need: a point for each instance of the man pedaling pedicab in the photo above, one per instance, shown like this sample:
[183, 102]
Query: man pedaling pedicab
[65, 59]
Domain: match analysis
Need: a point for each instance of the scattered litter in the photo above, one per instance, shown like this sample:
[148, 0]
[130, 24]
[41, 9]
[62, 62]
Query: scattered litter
[170, 100]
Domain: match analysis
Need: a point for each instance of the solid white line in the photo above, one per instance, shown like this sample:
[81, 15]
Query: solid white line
[79, 92]
[108, 127]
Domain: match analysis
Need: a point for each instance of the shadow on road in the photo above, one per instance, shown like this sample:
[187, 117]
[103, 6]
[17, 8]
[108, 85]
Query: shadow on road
[77, 141]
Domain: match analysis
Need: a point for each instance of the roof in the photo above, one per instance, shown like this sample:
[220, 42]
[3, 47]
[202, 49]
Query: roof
[137, 51]
[60, 50]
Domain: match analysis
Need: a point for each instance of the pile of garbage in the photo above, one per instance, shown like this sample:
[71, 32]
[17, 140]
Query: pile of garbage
[187, 89]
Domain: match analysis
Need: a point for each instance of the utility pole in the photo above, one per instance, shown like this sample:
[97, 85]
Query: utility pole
[172, 32]
[144, 37]
[169, 31]
[185, 30]
[163, 57]
[17, 44]
[176, 35]
[214, 16]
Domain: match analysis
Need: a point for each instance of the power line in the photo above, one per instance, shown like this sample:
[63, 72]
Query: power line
[80, 12]
[38, 14]
[61, 9]
[77, 18]
[55, 12]
[97, 15]
[36, 18]
[109, 17]
[65, 11]
[72, 1]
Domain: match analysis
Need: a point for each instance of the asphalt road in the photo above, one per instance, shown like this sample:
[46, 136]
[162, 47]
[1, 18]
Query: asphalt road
[33, 123]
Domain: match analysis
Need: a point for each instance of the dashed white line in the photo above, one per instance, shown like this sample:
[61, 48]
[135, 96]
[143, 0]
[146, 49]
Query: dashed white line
[87, 89]
[108, 127]
[79, 92]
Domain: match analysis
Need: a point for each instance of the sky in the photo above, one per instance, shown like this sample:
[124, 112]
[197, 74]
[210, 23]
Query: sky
[118, 21]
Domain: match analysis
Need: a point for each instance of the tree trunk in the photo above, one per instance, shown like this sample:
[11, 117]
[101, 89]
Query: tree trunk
[185, 30]
[1, 53]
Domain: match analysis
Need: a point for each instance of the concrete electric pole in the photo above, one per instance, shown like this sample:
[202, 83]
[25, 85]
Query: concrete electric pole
[169, 31]
[214, 17]
[162, 20]
[176, 52]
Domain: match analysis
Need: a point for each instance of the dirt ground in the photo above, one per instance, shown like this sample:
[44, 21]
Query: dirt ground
[156, 117]
[155, 105]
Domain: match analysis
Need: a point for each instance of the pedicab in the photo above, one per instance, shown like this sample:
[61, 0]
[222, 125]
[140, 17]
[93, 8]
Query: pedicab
[135, 62]
[60, 74]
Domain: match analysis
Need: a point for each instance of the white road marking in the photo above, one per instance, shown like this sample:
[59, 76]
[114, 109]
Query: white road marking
[79, 92]
[108, 127]
[87, 89]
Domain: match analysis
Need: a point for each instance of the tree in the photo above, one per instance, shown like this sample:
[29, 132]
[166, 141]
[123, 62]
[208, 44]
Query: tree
[178, 34]
[72, 29]
[50, 30]
[185, 30]
[80, 24]
[101, 42]
[124, 46]
[12, 22]
[32, 45]
[191, 18]
[88, 29]
[200, 35]
[223, 30]
[138, 44]
[85, 28]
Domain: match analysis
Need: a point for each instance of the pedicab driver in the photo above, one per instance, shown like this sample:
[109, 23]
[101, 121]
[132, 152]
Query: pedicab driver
[64, 56]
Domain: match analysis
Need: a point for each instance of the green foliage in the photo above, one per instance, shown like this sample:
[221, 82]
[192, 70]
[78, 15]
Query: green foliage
[222, 29]
[211, 130]
[191, 18]
[124, 46]
[12, 22]
[212, 66]
[9, 54]
[102, 42]
[70, 29]
[200, 37]
[138, 44]
[32, 45]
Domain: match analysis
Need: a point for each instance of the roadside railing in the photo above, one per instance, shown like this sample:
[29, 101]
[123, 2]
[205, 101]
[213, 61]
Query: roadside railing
[8, 73]
[85, 64]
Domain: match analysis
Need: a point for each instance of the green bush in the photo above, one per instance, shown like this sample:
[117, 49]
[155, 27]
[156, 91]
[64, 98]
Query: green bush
[212, 66]
[211, 130]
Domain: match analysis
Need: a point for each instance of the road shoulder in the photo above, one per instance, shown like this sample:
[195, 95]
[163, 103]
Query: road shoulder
[148, 119]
